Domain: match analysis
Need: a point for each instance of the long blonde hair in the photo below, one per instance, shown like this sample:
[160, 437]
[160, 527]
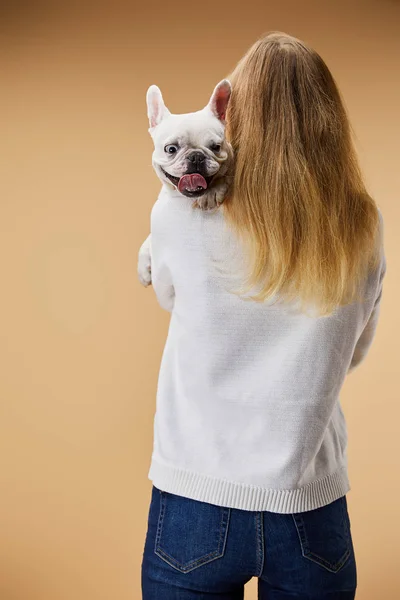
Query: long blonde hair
[298, 199]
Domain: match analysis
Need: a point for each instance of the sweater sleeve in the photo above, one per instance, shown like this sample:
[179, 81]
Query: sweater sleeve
[365, 340]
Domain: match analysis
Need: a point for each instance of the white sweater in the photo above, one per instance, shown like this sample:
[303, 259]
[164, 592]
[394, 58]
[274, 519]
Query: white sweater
[247, 413]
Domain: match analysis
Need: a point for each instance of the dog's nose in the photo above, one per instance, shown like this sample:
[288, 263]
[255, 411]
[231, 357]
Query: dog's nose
[196, 157]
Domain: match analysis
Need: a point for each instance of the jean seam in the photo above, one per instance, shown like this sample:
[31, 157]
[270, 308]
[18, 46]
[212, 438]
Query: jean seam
[259, 543]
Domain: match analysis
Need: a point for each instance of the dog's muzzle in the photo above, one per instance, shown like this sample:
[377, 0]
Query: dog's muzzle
[195, 181]
[192, 185]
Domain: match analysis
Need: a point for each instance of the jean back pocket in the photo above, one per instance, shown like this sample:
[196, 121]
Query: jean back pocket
[324, 534]
[190, 533]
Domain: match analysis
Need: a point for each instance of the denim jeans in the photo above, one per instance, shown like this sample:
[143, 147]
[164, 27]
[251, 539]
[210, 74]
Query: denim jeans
[196, 550]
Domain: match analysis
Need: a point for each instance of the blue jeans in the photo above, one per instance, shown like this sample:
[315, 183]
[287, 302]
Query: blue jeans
[196, 550]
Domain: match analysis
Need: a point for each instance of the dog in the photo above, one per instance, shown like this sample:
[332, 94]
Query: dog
[191, 155]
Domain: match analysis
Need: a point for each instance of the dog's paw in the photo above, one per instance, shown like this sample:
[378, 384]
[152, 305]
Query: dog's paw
[144, 265]
[210, 201]
[214, 198]
[207, 202]
[144, 275]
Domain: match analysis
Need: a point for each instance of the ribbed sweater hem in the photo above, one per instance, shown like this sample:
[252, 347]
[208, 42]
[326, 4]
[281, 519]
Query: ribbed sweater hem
[244, 496]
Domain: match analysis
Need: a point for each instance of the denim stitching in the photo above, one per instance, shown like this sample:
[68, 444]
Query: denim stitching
[256, 535]
[334, 568]
[193, 564]
[311, 555]
[222, 539]
[160, 519]
[190, 566]
[259, 543]
[301, 530]
[199, 561]
[227, 513]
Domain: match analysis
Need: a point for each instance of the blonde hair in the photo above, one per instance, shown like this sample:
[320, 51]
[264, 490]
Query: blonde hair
[298, 200]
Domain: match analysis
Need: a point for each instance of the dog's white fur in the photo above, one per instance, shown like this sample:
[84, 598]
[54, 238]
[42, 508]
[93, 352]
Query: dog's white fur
[201, 131]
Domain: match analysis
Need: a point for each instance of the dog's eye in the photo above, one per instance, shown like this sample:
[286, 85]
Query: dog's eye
[171, 149]
[216, 147]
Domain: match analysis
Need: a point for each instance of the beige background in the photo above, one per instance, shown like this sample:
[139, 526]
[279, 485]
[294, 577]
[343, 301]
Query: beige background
[81, 341]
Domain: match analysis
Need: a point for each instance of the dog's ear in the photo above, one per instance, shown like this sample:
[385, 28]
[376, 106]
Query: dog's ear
[219, 100]
[156, 109]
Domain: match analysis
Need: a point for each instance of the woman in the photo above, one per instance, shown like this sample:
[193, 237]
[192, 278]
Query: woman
[249, 466]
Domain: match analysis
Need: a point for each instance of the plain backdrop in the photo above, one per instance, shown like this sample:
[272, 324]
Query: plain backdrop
[81, 340]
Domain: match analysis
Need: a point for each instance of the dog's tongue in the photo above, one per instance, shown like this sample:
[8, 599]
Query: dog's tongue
[192, 183]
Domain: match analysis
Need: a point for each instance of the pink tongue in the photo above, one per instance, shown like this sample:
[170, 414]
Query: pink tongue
[192, 183]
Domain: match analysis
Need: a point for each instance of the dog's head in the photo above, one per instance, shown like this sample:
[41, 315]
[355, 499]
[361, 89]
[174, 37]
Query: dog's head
[190, 150]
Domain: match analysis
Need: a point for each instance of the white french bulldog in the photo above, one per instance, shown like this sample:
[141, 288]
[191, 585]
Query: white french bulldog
[190, 155]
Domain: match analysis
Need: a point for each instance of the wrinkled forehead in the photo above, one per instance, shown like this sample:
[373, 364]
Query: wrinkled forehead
[190, 129]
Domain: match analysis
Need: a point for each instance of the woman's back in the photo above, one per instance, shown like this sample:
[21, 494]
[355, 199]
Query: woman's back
[274, 298]
[248, 411]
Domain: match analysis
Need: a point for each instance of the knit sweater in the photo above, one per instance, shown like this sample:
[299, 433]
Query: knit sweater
[248, 413]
